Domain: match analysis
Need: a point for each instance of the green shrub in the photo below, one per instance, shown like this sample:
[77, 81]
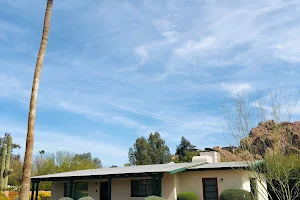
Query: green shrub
[65, 198]
[3, 197]
[154, 198]
[45, 194]
[86, 198]
[236, 194]
[187, 196]
[17, 197]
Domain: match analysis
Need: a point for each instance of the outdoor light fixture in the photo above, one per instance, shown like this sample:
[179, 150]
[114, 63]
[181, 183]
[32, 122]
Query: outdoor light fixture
[221, 179]
[96, 186]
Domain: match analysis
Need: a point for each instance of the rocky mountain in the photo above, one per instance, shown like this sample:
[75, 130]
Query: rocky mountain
[267, 137]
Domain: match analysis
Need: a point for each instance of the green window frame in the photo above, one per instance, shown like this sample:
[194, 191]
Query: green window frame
[143, 187]
[79, 189]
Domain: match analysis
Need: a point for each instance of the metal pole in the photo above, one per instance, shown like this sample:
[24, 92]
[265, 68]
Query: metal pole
[32, 190]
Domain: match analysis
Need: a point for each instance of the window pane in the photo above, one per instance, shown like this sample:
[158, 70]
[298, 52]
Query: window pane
[141, 188]
[210, 182]
[80, 190]
[210, 189]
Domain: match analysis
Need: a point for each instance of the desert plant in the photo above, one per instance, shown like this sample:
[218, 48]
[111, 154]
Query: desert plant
[86, 198]
[45, 194]
[187, 196]
[236, 194]
[65, 198]
[3, 197]
[154, 198]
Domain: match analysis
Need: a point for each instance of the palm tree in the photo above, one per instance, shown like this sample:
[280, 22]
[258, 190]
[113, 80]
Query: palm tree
[42, 152]
[25, 185]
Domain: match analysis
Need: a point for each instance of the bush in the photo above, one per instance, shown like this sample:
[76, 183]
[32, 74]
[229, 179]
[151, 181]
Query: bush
[65, 198]
[154, 198]
[187, 196]
[3, 197]
[86, 198]
[17, 197]
[45, 194]
[237, 194]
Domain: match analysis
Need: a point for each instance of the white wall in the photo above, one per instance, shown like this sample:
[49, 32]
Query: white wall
[121, 188]
[192, 181]
[57, 189]
[261, 184]
[172, 185]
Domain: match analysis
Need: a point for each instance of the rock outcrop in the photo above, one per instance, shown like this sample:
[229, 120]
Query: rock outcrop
[267, 137]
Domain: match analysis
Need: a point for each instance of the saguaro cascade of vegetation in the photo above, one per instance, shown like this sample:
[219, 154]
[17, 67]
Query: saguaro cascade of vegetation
[25, 186]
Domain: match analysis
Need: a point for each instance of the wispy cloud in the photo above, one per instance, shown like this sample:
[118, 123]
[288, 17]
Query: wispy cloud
[128, 69]
[235, 88]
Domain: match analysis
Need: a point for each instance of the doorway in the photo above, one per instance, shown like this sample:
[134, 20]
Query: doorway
[103, 190]
[210, 188]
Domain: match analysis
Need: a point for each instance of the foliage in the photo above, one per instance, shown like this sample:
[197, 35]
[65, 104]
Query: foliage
[45, 194]
[272, 142]
[154, 198]
[17, 198]
[151, 151]
[65, 198]
[3, 140]
[236, 194]
[62, 161]
[86, 198]
[3, 197]
[187, 196]
[183, 147]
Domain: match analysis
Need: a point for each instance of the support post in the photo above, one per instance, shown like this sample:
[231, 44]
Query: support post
[160, 185]
[153, 185]
[37, 191]
[109, 189]
[32, 190]
[71, 189]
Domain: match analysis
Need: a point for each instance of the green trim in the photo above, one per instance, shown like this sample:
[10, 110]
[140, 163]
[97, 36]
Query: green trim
[185, 168]
[109, 189]
[32, 190]
[178, 170]
[160, 186]
[73, 178]
[37, 191]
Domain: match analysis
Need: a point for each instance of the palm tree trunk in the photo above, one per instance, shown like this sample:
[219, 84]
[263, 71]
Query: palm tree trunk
[25, 185]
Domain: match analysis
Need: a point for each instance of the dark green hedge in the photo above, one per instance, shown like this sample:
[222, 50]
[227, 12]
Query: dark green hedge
[236, 194]
[187, 196]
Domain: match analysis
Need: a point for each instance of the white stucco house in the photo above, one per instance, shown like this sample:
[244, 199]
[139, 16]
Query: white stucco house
[205, 175]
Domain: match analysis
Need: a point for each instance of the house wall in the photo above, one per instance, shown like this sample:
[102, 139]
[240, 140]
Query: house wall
[57, 190]
[121, 188]
[172, 185]
[261, 184]
[192, 181]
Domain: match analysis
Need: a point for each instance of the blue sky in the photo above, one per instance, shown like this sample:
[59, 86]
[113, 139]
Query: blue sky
[117, 70]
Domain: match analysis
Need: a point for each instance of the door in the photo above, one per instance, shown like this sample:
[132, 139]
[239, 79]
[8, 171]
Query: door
[104, 191]
[210, 188]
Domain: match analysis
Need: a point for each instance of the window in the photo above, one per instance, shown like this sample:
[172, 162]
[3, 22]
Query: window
[143, 188]
[253, 186]
[210, 188]
[78, 190]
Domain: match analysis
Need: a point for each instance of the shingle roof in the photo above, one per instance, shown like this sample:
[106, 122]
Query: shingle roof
[123, 170]
[159, 168]
[237, 164]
